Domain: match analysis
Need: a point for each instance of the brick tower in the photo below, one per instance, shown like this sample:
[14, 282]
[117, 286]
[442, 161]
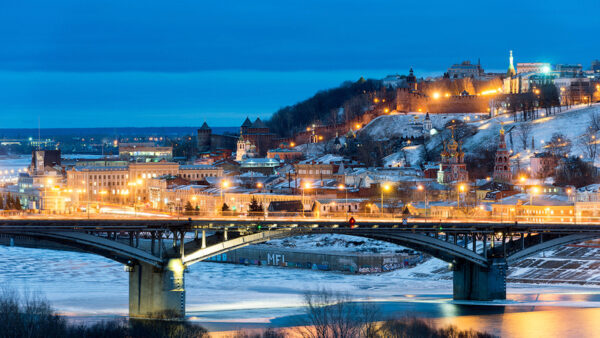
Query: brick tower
[502, 172]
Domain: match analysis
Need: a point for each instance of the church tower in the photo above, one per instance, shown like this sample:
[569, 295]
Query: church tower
[411, 80]
[427, 126]
[502, 172]
[241, 148]
[511, 67]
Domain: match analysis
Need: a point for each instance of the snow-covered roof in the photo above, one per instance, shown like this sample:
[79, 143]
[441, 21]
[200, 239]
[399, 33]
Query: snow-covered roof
[539, 200]
[595, 188]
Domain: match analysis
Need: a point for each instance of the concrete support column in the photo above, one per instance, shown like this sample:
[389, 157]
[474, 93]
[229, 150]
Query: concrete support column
[473, 282]
[203, 239]
[157, 293]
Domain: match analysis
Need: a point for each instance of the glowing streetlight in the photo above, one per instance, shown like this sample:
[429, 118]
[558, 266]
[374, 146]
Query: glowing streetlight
[386, 110]
[343, 187]
[224, 185]
[461, 189]
[421, 187]
[305, 186]
[385, 187]
[533, 191]
[436, 95]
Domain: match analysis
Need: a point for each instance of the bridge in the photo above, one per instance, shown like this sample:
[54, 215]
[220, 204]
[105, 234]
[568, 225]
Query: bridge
[156, 252]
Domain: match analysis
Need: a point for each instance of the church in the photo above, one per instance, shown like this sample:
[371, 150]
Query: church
[452, 168]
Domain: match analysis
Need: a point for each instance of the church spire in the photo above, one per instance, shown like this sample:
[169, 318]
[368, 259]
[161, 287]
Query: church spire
[511, 66]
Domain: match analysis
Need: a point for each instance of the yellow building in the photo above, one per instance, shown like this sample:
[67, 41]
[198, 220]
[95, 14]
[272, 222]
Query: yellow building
[535, 208]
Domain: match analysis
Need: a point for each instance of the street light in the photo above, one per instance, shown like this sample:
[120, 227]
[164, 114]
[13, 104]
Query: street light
[224, 185]
[385, 187]
[461, 188]
[421, 187]
[533, 191]
[343, 187]
[305, 185]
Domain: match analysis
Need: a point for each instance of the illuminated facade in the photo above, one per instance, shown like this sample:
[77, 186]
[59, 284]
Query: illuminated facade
[453, 167]
[122, 183]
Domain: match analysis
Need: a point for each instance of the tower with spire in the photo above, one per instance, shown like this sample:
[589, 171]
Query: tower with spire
[502, 172]
[427, 126]
[411, 80]
[511, 67]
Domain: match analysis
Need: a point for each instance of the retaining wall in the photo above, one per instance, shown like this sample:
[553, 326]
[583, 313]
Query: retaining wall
[326, 261]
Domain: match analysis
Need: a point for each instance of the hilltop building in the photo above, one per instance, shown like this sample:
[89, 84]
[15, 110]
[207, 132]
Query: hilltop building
[412, 97]
[209, 142]
[257, 133]
[464, 70]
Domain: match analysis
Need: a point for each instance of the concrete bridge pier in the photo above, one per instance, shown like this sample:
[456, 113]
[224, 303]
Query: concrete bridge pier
[155, 292]
[474, 282]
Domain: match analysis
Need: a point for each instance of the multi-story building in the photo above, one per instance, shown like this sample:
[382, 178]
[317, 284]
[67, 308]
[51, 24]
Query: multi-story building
[145, 153]
[533, 67]
[569, 70]
[114, 183]
[465, 69]
[543, 164]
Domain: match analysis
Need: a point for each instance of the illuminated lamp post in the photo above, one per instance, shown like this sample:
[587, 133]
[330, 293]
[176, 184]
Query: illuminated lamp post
[224, 185]
[305, 186]
[343, 187]
[421, 187]
[461, 189]
[385, 187]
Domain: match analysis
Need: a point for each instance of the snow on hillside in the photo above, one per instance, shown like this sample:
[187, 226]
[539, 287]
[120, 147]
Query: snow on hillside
[409, 125]
[572, 123]
[411, 154]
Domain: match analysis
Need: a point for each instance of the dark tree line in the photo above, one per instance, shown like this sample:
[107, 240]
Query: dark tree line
[576, 172]
[353, 96]
[9, 202]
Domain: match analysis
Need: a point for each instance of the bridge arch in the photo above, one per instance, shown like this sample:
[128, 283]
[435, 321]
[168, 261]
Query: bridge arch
[437, 248]
[110, 249]
[547, 245]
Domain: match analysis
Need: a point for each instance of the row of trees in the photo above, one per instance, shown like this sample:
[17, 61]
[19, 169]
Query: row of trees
[10, 203]
[354, 97]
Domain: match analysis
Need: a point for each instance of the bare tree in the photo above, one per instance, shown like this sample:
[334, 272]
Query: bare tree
[588, 143]
[595, 120]
[559, 145]
[335, 315]
[523, 131]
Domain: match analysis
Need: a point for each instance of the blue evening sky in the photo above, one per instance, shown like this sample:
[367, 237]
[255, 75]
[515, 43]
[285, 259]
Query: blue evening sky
[76, 63]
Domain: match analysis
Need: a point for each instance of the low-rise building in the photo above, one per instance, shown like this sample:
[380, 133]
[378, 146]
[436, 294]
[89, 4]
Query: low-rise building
[534, 208]
[284, 154]
[145, 153]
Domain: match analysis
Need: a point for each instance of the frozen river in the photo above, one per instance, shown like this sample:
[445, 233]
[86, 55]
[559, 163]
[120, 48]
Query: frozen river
[226, 297]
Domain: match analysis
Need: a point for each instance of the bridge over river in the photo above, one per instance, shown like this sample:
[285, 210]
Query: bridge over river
[156, 252]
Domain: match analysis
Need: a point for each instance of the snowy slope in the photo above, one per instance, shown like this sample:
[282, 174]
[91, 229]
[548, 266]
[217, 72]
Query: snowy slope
[402, 125]
[572, 123]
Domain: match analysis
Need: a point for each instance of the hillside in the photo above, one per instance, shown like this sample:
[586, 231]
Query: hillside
[572, 123]
[328, 106]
